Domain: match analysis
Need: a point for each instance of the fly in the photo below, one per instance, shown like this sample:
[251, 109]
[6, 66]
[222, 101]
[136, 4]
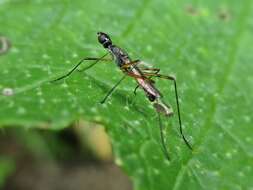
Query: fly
[143, 78]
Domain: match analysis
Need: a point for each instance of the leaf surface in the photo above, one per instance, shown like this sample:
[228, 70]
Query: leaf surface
[207, 45]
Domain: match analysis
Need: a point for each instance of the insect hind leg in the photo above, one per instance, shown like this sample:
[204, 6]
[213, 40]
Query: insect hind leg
[165, 150]
[171, 78]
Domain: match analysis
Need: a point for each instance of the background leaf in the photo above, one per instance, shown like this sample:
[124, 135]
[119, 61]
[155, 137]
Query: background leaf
[206, 44]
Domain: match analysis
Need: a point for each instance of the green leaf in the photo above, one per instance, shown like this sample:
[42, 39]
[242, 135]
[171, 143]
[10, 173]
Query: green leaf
[206, 44]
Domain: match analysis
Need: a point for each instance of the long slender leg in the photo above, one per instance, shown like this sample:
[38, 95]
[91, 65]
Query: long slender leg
[135, 76]
[127, 65]
[112, 89]
[178, 110]
[136, 62]
[79, 63]
[129, 74]
[99, 59]
[156, 71]
[136, 89]
[171, 78]
[124, 67]
[165, 151]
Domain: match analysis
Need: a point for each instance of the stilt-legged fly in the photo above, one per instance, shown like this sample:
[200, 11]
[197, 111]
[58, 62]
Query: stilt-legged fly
[143, 78]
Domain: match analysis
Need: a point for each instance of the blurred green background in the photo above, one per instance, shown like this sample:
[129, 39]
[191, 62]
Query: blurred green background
[58, 130]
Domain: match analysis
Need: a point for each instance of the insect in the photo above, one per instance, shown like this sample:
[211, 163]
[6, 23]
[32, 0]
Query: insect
[143, 78]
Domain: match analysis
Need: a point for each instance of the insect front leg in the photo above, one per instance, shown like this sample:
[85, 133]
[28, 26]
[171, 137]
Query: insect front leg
[96, 61]
[79, 63]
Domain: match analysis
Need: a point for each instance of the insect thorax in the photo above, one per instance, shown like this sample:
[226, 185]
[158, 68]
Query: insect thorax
[119, 55]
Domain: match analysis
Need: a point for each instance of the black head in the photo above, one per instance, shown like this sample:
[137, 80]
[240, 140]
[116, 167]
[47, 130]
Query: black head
[104, 39]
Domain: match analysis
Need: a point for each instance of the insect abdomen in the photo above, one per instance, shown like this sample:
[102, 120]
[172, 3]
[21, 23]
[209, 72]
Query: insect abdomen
[163, 108]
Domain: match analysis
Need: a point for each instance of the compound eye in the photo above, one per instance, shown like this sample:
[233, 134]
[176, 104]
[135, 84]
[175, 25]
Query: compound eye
[102, 39]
